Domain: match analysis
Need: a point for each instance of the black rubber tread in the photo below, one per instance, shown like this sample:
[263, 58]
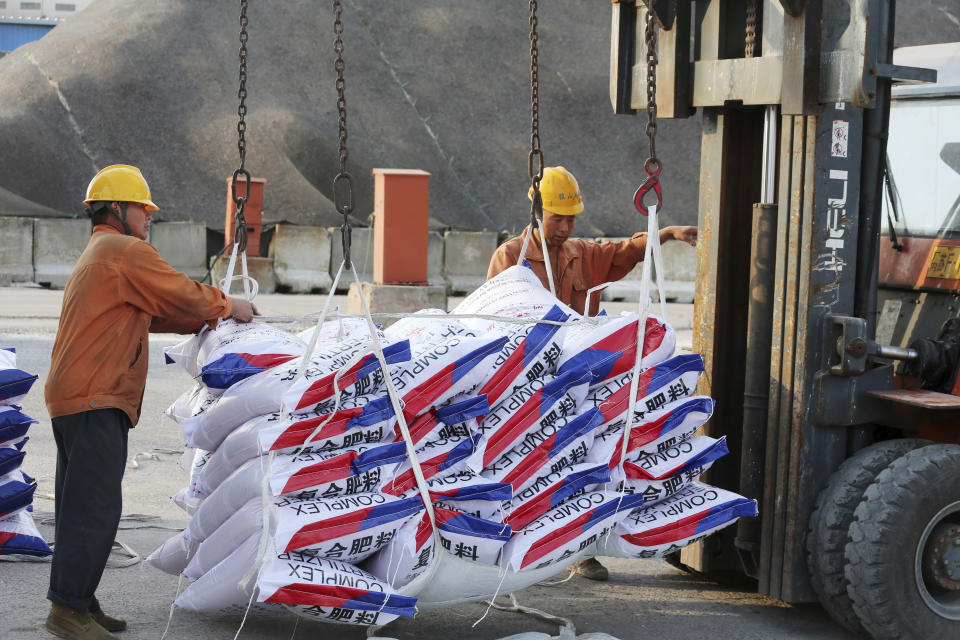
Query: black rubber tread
[883, 538]
[827, 534]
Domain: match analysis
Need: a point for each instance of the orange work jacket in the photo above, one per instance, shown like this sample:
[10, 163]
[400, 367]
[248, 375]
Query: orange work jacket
[581, 264]
[119, 291]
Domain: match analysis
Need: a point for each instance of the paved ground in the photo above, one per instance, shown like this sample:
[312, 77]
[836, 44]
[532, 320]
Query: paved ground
[643, 599]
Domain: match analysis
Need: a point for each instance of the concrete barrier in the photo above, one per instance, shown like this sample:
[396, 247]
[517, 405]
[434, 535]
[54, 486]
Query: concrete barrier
[435, 256]
[260, 269]
[680, 274]
[16, 257]
[183, 245]
[395, 298]
[57, 244]
[301, 258]
[361, 253]
[467, 256]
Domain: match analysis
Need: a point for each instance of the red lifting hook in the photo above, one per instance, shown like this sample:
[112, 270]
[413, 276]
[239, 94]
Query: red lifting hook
[652, 182]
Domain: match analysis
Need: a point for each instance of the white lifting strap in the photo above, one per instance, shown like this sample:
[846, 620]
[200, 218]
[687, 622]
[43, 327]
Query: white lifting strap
[546, 254]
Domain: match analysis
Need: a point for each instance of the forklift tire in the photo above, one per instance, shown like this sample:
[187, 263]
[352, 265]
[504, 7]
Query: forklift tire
[827, 535]
[902, 565]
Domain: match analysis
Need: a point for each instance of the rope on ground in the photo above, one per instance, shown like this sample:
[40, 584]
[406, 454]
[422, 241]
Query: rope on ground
[554, 583]
[567, 628]
[128, 558]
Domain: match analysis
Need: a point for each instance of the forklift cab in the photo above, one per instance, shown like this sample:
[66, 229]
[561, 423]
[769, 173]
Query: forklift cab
[919, 270]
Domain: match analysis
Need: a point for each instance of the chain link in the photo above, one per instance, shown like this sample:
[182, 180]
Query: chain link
[535, 158]
[240, 220]
[342, 195]
[750, 41]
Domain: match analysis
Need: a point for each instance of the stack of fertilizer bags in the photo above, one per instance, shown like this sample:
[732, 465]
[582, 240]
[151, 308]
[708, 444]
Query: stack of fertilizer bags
[18, 532]
[303, 495]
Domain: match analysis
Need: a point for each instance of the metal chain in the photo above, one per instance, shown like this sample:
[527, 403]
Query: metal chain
[240, 220]
[535, 158]
[652, 165]
[651, 38]
[751, 30]
[343, 198]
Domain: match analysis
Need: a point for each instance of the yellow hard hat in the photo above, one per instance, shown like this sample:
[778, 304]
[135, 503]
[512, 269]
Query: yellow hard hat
[120, 183]
[560, 192]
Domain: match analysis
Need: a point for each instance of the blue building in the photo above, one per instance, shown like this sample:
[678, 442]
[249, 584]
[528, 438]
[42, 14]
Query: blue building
[23, 21]
[15, 32]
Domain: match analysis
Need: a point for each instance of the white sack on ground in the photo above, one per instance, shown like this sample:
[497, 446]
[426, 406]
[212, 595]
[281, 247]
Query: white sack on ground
[19, 536]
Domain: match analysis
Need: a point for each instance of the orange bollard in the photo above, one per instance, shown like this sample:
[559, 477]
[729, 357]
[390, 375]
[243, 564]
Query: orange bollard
[400, 226]
[252, 211]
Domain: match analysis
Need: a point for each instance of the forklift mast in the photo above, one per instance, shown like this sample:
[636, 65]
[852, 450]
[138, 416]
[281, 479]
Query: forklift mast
[794, 99]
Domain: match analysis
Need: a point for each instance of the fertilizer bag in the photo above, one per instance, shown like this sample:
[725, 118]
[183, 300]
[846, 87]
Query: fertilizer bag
[689, 515]
[19, 536]
[610, 349]
[14, 383]
[567, 529]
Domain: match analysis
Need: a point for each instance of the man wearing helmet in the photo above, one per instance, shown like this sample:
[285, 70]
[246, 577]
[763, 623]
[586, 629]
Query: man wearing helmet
[577, 264]
[119, 291]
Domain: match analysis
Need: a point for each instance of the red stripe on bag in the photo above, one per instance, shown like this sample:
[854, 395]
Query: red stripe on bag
[266, 360]
[557, 539]
[298, 432]
[328, 529]
[321, 595]
[668, 533]
[515, 426]
[335, 468]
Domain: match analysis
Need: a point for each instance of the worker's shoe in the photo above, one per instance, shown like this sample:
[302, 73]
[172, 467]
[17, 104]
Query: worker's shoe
[591, 568]
[74, 624]
[108, 622]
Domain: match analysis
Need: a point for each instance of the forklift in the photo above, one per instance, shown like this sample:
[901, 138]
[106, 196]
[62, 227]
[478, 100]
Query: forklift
[827, 304]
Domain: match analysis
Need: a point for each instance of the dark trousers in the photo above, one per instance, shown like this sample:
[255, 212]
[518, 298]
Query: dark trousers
[91, 456]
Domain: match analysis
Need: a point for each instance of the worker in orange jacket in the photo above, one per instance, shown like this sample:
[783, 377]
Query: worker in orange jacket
[578, 264]
[119, 291]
